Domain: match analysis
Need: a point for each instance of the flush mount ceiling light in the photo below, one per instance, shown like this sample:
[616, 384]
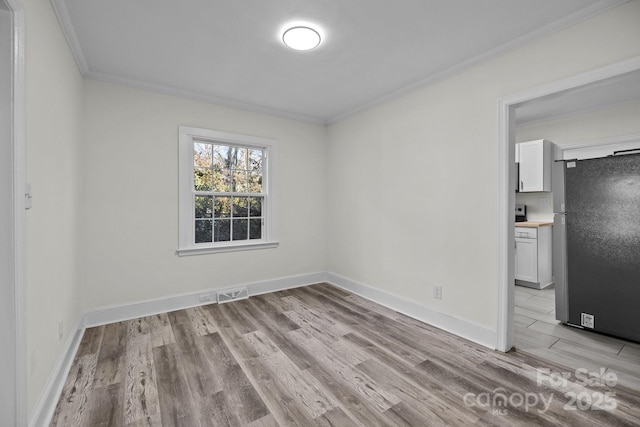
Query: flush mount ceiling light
[301, 38]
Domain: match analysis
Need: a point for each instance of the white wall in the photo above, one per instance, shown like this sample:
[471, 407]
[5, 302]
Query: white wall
[413, 182]
[54, 103]
[130, 197]
[539, 205]
[603, 124]
[7, 248]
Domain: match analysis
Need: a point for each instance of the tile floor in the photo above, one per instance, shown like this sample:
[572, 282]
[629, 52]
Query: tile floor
[538, 333]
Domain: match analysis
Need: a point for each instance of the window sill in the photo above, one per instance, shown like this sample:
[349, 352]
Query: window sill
[227, 248]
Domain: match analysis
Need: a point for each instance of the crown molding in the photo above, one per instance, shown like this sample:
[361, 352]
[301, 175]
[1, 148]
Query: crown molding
[62, 13]
[202, 97]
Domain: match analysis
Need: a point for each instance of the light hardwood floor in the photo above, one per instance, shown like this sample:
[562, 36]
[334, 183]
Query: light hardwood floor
[538, 333]
[315, 356]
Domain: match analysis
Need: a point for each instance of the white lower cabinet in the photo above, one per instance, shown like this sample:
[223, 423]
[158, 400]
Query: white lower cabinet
[527, 259]
[533, 257]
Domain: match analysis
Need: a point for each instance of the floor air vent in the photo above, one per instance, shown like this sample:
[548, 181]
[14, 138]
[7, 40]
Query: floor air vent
[232, 295]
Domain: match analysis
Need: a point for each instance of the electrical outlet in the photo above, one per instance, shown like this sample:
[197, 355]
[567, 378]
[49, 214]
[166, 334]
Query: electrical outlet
[60, 330]
[205, 297]
[437, 291]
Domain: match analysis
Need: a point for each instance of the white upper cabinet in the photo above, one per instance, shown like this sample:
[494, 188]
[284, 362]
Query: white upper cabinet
[535, 159]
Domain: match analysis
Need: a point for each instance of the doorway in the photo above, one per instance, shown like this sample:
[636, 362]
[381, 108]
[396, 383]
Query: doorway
[507, 113]
[12, 185]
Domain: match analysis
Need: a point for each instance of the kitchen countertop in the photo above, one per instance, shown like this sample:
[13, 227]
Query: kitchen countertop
[534, 224]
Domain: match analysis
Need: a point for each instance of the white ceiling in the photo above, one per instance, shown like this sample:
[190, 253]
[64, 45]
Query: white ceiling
[230, 52]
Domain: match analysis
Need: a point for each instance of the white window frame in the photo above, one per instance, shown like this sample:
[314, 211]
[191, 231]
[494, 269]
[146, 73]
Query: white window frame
[186, 211]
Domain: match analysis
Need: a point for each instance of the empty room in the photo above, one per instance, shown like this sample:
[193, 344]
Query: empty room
[358, 213]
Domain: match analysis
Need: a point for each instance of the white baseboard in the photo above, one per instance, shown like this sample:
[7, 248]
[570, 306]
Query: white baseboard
[46, 405]
[118, 313]
[460, 327]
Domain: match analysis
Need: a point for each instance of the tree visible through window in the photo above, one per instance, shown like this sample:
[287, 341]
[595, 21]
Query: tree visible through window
[227, 188]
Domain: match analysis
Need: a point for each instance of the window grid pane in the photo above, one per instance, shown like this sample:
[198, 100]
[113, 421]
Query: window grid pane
[222, 207]
[221, 181]
[203, 230]
[222, 230]
[202, 179]
[240, 229]
[255, 228]
[202, 155]
[204, 206]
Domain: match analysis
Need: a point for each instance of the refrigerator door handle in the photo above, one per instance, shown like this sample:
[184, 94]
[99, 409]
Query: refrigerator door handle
[630, 151]
[559, 267]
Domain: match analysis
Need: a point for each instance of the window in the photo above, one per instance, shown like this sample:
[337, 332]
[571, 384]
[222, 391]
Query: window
[226, 192]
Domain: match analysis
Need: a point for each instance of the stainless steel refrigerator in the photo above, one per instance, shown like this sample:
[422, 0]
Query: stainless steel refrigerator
[596, 244]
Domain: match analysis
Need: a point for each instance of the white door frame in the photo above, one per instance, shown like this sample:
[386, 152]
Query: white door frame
[506, 182]
[13, 409]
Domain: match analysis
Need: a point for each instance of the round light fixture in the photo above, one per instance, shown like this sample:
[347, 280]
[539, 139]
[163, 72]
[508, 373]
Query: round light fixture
[301, 38]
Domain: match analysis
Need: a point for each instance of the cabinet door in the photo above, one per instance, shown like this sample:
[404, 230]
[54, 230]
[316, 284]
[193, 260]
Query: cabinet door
[527, 260]
[531, 159]
[535, 166]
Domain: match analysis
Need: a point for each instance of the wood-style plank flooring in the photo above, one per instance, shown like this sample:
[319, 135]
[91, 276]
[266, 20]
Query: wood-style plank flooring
[317, 356]
[538, 333]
